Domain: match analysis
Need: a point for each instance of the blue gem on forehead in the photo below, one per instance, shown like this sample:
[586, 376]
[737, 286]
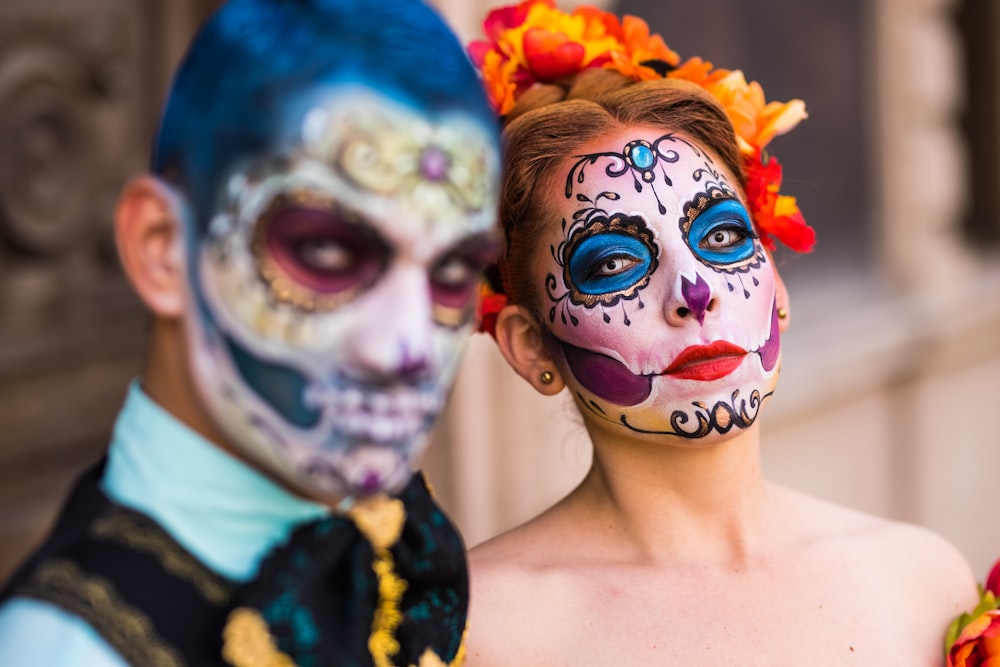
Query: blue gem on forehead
[434, 164]
[641, 156]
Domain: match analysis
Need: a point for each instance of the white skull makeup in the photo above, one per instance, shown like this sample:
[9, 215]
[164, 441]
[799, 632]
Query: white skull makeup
[336, 288]
[658, 294]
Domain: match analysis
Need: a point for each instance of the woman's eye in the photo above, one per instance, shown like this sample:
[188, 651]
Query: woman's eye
[724, 237]
[608, 262]
[614, 266]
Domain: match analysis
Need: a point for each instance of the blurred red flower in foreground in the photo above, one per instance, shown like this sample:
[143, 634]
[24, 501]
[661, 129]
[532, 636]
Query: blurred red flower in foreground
[973, 639]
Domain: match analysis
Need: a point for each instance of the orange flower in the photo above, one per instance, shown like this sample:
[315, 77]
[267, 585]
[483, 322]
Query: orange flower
[698, 71]
[639, 46]
[978, 644]
[756, 122]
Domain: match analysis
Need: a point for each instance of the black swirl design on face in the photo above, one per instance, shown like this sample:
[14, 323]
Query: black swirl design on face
[641, 159]
[605, 259]
[721, 418]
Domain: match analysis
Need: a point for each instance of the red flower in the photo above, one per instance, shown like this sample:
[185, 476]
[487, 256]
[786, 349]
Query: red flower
[993, 580]
[973, 639]
[489, 305]
[774, 215]
[978, 644]
[551, 55]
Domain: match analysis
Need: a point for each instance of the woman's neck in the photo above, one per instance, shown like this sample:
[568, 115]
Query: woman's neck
[706, 504]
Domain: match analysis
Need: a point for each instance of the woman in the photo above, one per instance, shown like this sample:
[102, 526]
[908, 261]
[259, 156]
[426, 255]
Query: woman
[636, 269]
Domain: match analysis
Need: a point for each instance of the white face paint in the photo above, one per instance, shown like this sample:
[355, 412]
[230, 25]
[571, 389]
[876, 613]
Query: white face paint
[337, 286]
[656, 289]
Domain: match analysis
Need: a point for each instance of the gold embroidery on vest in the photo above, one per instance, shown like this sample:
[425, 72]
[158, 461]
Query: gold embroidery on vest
[138, 533]
[94, 599]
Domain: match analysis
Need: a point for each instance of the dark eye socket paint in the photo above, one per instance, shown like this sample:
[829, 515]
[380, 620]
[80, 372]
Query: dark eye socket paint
[455, 276]
[317, 248]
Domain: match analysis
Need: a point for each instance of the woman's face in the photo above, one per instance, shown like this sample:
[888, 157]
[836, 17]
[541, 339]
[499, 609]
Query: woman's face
[658, 296]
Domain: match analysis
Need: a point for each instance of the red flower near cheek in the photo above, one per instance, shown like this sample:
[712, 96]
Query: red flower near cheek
[488, 307]
[774, 214]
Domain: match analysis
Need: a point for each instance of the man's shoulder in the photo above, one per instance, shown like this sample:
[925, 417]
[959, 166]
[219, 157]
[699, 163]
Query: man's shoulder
[33, 632]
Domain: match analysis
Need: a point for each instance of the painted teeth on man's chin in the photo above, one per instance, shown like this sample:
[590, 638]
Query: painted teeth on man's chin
[352, 399]
[365, 426]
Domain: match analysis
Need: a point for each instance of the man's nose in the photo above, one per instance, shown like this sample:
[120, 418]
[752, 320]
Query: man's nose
[393, 339]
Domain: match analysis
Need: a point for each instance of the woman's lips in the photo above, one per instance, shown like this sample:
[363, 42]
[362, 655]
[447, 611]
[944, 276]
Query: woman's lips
[706, 362]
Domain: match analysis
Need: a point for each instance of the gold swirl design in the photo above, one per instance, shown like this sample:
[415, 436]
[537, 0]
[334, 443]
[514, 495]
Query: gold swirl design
[387, 154]
[94, 599]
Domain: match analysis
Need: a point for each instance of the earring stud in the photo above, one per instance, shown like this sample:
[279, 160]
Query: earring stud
[547, 377]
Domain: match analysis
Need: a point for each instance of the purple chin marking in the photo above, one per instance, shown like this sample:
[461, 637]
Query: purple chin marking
[769, 350]
[371, 483]
[696, 294]
[605, 377]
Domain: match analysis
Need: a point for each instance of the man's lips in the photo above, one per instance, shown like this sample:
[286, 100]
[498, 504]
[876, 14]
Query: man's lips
[706, 362]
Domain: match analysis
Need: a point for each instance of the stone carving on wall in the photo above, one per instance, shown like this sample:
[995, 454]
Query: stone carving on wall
[76, 77]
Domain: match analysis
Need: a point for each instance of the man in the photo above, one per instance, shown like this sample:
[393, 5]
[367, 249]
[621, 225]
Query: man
[309, 246]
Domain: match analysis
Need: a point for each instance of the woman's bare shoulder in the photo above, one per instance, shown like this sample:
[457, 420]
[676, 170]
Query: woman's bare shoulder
[911, 559]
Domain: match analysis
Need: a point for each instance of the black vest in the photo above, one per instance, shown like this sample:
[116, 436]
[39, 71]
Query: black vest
[117, 569]
[329, 596]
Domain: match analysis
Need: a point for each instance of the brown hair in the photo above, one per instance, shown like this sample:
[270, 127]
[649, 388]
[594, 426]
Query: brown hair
[550, 121]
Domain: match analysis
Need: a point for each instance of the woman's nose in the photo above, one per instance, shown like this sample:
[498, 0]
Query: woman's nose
[690, 299]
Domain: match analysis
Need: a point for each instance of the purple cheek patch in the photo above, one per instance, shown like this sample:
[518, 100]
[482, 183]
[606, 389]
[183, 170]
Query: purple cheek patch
[606, 378]
[696, 294]
[769, 350]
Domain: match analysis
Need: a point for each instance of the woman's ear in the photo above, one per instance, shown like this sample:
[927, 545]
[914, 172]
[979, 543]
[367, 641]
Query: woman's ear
[148, 236]
[519, 337]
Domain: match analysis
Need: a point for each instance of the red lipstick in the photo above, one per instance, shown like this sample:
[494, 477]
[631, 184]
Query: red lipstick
[706, 362]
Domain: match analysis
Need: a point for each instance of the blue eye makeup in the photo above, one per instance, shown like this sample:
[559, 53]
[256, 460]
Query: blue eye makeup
[721, 235]
[608, 260]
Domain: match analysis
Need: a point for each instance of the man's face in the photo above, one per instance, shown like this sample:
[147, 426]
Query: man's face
[657, 293]
[335, 290]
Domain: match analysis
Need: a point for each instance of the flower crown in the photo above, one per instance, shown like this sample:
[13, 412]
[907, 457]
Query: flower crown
[534, 42]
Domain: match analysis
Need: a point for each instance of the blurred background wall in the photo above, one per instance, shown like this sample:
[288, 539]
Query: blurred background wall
[889, 394]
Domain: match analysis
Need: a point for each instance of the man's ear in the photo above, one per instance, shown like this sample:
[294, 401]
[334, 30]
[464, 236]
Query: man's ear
[519, 337]
[148, 236]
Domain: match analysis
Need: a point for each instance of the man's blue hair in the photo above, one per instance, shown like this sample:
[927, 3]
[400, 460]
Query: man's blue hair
[254, 57]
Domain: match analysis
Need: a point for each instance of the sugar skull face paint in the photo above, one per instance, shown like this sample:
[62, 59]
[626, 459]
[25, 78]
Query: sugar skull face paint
[335, 289]
[660, 298]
